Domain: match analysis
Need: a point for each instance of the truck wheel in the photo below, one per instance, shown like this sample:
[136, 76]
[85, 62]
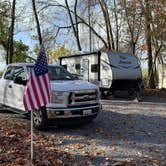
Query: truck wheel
[40, 120]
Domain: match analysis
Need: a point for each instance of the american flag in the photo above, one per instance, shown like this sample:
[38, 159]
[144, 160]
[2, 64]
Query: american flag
[37, 93]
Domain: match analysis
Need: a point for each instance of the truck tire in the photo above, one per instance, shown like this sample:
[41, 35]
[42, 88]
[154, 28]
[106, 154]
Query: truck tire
[40, 120]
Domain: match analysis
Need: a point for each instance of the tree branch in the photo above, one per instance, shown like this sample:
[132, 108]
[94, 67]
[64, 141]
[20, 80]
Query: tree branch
[81, 19]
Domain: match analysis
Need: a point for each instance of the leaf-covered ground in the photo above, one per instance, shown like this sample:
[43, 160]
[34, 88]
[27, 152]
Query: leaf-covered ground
[155, 92]
[124, 133]
[15, 146]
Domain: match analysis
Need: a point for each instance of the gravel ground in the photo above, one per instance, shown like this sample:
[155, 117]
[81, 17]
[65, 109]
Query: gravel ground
[124, 133]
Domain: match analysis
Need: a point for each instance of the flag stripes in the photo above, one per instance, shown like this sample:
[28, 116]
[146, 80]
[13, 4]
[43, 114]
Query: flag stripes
[37, 92]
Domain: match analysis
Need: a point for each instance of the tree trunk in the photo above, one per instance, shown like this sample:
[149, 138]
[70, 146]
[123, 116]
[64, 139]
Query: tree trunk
[110, 39]
[89, 21]
[110, 27]
[75, 30]
[151, 83]
[37, 22]
[133, 47]
[8, 48]
[12, 32]
[117, 28]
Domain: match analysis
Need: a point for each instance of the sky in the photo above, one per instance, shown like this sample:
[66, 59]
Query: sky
[26, 26]
[25, 38]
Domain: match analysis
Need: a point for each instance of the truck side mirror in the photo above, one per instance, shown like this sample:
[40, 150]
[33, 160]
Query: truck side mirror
[9, 77]
[19, 80]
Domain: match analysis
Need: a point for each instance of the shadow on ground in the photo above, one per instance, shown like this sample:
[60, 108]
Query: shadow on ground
[124, 136]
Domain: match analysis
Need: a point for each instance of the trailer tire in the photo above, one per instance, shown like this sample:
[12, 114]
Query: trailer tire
[140, 92]
[131, 93]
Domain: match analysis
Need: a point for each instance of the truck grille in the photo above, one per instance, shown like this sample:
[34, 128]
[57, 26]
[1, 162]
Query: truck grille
[83, 98]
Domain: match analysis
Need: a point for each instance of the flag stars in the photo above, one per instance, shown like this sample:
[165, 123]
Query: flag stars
[41, 64]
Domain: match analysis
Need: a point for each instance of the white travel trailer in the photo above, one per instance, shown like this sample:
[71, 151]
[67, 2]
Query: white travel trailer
[110, 71]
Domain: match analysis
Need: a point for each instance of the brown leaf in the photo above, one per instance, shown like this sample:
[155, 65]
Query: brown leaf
[109, 158]
[94, 153]
[84, 153]
[113, 148]
[45, 162]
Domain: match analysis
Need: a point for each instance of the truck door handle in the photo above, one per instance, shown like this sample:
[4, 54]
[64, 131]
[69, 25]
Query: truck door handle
[10, 86]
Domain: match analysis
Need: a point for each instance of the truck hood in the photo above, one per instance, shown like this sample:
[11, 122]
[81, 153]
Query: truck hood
[71, 85]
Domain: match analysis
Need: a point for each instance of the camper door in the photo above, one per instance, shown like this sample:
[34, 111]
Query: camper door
[85, 69]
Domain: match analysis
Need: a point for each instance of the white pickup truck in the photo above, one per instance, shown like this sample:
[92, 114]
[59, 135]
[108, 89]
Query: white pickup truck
[72, 100]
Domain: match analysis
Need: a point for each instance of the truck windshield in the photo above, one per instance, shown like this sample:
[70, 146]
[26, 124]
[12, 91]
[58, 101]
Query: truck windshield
[56, 73]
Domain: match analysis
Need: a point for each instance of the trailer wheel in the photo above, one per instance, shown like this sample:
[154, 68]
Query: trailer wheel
[140, 92]
[131, 93]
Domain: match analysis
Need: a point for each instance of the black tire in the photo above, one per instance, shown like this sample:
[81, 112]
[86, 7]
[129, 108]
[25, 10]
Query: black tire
[40, 120]
[140, 92]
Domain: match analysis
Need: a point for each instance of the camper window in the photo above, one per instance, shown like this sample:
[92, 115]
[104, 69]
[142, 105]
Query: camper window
[94, 68]
[77, 66]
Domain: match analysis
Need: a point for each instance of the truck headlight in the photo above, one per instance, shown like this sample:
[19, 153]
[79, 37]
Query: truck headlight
[57, 97]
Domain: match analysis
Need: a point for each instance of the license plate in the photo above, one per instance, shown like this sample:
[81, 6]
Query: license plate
[87, 112]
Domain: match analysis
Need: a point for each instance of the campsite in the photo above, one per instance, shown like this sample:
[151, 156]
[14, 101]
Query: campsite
[82, 83]
[124, 133]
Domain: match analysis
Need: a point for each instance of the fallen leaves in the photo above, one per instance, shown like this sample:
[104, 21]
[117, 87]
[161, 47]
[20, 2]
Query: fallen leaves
[62, 148]
[113, 148]
[155, 92]
[85, 153]
[15, 147]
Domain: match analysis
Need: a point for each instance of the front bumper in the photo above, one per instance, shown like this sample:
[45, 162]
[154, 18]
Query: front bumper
[60, 113]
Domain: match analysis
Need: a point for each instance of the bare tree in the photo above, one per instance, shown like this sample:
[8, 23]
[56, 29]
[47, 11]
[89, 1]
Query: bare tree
[11, 46]
[75, 28]
[89, 21]
[110, 39]
[5, 14]
[80, 19]
[37, 22]
[117, 26]
[148, 20]
[133, 18]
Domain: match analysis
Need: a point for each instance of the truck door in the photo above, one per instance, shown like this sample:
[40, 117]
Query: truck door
[85, 69]
[19, 82]
[6, 85]
[14, 93]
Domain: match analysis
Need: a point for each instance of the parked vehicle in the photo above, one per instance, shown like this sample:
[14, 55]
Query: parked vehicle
[72, 101]
[110, 71]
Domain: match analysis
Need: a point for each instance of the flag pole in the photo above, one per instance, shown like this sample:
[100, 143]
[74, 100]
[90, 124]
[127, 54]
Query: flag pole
[32, 155]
